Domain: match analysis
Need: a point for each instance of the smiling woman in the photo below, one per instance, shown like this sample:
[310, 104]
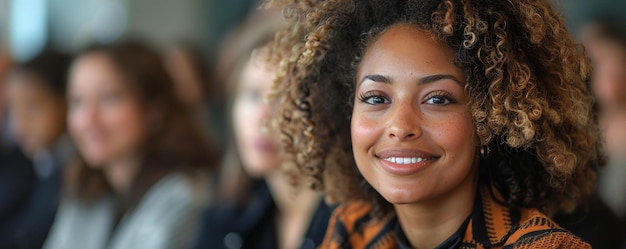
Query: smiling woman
[411, 127]
[139, 180]
[437, 124]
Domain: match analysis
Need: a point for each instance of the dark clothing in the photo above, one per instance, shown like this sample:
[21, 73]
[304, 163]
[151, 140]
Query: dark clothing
[595, 223]
[254, 226]
[28, 227]
[17, 178]
[451, 242]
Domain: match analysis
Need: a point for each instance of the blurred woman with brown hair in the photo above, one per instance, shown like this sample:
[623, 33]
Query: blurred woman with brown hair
[138, 182]
[257, 207]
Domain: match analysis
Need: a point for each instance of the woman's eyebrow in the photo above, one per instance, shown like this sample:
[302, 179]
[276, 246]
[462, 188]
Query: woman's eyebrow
[425, 80]
[376, 78]
[438, 77]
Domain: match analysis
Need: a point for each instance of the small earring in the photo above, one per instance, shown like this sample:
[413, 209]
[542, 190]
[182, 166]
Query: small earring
[484, 152]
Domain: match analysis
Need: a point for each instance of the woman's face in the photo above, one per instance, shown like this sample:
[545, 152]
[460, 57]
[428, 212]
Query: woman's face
[37, 112]
[412, 131]
[609, 74]
[250, 113]
[105, 119]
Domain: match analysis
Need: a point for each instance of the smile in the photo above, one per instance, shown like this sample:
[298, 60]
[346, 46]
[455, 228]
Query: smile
[406, 160]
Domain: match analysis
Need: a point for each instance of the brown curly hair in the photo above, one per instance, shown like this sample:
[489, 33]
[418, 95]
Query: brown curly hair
[526, 81]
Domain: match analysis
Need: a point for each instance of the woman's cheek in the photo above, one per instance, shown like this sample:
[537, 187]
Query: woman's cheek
[365, 132]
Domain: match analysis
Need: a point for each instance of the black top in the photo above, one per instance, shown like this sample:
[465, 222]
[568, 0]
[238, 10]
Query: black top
[29, 225]
[254, 225]
[452, 242]
[594, 222]
[17, 178]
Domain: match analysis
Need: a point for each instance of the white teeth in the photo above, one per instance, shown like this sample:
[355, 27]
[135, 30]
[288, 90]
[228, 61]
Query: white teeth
[405, 160]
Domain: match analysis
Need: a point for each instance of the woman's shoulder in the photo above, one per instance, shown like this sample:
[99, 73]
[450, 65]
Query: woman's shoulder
[495, 224]
[81, 224]
[538, 230]
[165, 217]
[353, 225]
[176, 189]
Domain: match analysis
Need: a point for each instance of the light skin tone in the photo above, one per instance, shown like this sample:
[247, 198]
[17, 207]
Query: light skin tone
[608, 56]
[609, 86]
[105, 120]
[259, 154]
[257, 148]
[37, 112]
[413, 134]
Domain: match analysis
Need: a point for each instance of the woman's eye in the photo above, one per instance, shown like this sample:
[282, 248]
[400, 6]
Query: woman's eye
[438, 101]
[439, 98]
[374, 100]
[251, 95]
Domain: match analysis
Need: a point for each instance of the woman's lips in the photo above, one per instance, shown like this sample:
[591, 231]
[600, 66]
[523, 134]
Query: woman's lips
[263, 144]
[405, 161]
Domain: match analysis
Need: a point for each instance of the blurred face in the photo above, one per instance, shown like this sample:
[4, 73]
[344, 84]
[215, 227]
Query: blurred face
[608, 57]
[412, 131]
[609, 74]
[105, 119]
[37, 113]
[256, 148]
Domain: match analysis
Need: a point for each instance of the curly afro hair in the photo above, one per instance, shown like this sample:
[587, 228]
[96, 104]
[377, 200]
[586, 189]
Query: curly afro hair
[526, 81]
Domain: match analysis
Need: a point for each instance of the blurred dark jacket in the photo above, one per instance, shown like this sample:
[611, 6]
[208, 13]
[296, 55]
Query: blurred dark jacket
[595, 223]
[17, 178]
[28, 227]
[254, 226]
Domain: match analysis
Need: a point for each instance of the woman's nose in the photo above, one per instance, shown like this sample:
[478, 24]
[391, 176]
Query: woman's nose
[404, 123]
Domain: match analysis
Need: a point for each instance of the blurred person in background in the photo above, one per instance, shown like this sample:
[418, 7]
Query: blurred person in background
[140, 179]
[17, 176]
[257, 206]
[190, 73]
[35, 91]
[605, 43]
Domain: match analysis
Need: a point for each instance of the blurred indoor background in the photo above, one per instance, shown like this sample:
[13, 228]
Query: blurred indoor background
[27, 25]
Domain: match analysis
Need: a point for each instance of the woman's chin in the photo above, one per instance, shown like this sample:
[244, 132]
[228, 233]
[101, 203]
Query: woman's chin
[95, 162]
[401, 196]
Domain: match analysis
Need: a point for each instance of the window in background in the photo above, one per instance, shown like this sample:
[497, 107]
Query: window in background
[27, 28]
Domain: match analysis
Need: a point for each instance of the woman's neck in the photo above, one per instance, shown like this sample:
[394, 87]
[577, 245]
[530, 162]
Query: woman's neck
[295, 209]
[428, 224]
[121, 173]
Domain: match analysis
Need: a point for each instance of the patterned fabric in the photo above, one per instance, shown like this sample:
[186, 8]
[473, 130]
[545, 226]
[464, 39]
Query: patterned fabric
[491, 226]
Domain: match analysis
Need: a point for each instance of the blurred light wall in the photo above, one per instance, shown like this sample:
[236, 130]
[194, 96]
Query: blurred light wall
[579, 12]
[72, 24]
[164, 21]
[4, 20]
